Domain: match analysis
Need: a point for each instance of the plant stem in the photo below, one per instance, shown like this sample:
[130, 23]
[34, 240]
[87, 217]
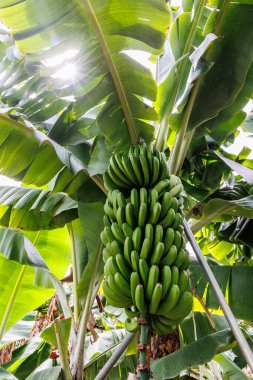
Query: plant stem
[77, 370]
[163, 131]
[11, 301]
[75, 273]
[182, 131]
[208, 219]
[144, 348]
[62, 353]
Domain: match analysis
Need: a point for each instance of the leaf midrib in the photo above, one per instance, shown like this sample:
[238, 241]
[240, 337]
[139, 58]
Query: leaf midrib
[113, 70]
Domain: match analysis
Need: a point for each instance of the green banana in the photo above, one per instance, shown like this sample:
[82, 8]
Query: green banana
[122, 284]
[156, 298]
[127, 230]
[166, 280]
[129, 169]
[121, 200]
[168, 219]
[155, 213]
[145, 170]
[117, 233]
[134, 200]
[131, 326]
[183, 306]
[174, 204]
[106, 220]
[176, 190]
[142, 214]
[136, 168]
[105, 254]
[114, 288]
[166, 204]
[137, 238]
[109, 210]
[104, 238]
[130, 217]
[149, 232]
[170, 257]
[177, 221]
[113, 299]
[186, 262]
[156, 169]
[140, 299]
[115, 169]
[153, 198]
[158, 235]
[169, 239]
[152, 281]
[120, 216]
[123, 267]
[174, 275]
[115, 248]
[135, 260]
[144, 271]
[134, 282]
[157, 254]
[174, 181]
[130, 313]
[108, 182]
[183, 281]
[108, 233]
[181, 257]
[143, 195]
[160, 327]
[177, 240]
[119, 182]
[169, 301]
[161, 186]
[145, 249]
[128, 246]
[111, 266]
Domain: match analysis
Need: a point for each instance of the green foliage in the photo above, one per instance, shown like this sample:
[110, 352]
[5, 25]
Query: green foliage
[191, 109]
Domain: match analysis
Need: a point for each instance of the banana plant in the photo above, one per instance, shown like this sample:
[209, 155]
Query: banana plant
[74, 93]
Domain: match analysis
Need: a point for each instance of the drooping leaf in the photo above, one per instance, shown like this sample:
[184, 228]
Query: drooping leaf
[229, 369]
[45, 374]
[221, 85]
[27, 358]
[199, 352]
[99, 34]
[19, 262]
[236, 283]
[34, 209]
[49, 335]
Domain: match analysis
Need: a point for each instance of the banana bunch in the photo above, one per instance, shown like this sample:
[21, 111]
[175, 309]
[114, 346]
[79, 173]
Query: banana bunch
[145, 258]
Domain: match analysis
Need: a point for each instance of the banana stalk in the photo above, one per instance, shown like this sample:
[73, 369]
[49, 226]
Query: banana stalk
[144, 348]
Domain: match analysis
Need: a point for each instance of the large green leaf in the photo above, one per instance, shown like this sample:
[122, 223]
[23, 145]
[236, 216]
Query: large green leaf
[34, 209]
[27, 358]
[232, 57]
[235, 282]
[31, 156]
[45, 374]
[199, 352]
[229, 369]
[19, 295]
[101, 33]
